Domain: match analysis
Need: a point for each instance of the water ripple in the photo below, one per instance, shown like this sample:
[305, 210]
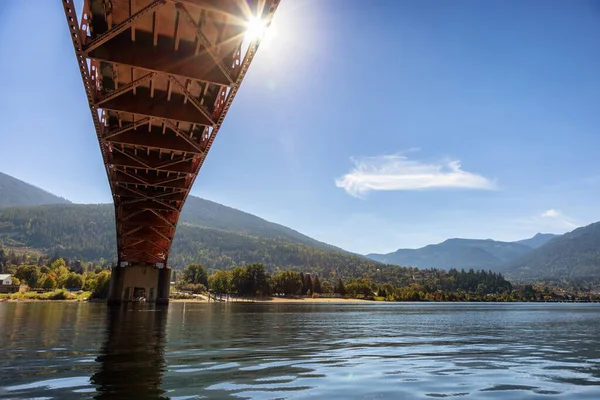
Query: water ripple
[280, 351]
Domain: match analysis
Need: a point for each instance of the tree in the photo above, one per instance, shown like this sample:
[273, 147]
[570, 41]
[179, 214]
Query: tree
[61, 274]
[239, 281]
[303, 278]
[317, 285]
[327, 287]
[47, 281]
[385, 290]
[102, 285]
[307, 284]
[481, 288]
[220, 282]
[71, 281]
[340, 288]
[77, 266]
[288, 283]
[195, 273]
[58, 264]
[28, 274]
[257, 278]
[361, 287]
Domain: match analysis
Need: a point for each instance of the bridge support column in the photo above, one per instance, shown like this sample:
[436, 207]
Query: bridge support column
[164, 285]
[115, 291]
[139, 282]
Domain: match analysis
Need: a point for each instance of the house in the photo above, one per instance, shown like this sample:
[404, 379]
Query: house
[5, 279]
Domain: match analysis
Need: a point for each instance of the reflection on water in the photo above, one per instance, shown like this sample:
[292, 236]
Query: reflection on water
[132, 360]
[281, 351]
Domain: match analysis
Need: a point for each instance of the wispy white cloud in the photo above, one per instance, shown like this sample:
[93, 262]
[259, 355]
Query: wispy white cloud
[559, 218]
[551, 213]
[397, 172]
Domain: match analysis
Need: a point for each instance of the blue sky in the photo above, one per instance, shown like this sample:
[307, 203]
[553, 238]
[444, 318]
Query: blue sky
[368, 125]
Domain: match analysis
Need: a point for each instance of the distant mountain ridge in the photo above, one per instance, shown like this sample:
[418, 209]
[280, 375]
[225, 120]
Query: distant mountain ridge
[572, 256]
[15, 192]
[538, 240]
[464, 253]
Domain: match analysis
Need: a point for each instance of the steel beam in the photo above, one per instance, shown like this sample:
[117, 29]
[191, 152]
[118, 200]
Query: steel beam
[208, 47]
[128, 216]
[135, 196]
[143, 105]
[121, 27]
[156, 140]
[124, 89]
[184, 136]
[125, 191]
[149, 205]
[125, 160]
[128, 127]
[192, 100]
[168, 221]
[161, 58]
[121, 176]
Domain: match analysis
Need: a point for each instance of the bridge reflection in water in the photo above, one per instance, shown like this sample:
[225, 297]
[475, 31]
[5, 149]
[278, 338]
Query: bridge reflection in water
[132, 357]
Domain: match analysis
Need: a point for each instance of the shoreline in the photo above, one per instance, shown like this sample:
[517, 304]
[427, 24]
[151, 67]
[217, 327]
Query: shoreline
[279, 300]
[282, 300]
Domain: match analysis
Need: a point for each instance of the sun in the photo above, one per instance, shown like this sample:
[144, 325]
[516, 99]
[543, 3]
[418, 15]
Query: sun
[255, 29]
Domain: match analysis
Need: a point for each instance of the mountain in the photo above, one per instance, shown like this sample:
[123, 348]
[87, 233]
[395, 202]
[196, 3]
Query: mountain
[14, 192]
[538, 240]
[457, 253]
[216, 236]
[573, 256]
[208, 214]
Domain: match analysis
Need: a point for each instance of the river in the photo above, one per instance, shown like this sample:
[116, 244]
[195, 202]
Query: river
[300, 351]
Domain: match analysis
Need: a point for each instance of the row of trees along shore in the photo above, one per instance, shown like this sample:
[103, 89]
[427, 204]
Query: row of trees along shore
[390, 283]
[254, 281]
[44, 273]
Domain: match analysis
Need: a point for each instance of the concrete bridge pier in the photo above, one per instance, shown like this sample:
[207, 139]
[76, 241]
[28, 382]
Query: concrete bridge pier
[139, 281]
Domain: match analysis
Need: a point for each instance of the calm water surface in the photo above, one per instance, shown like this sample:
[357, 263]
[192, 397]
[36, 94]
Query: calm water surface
[300, 351]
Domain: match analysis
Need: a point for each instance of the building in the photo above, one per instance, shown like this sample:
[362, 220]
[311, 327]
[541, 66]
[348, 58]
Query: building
[5, 279]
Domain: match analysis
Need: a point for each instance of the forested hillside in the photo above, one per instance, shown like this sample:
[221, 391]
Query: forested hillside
[572, 256]
[14, 192]
[206, 213]
[87, 232]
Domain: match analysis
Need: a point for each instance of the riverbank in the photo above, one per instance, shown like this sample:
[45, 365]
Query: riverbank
[41, 298]
[275, 300]
[313, 300]
[85, 298]
[56, 295]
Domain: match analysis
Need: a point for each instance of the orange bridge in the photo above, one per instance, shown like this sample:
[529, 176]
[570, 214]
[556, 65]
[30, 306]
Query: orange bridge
[160, 76]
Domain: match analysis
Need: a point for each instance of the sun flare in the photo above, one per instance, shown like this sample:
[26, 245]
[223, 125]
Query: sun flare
[255, 29]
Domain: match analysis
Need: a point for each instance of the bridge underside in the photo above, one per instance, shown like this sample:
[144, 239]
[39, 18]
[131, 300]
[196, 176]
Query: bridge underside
[160, 76]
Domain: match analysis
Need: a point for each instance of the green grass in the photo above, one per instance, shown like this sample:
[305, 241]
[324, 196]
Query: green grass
[59, 294]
